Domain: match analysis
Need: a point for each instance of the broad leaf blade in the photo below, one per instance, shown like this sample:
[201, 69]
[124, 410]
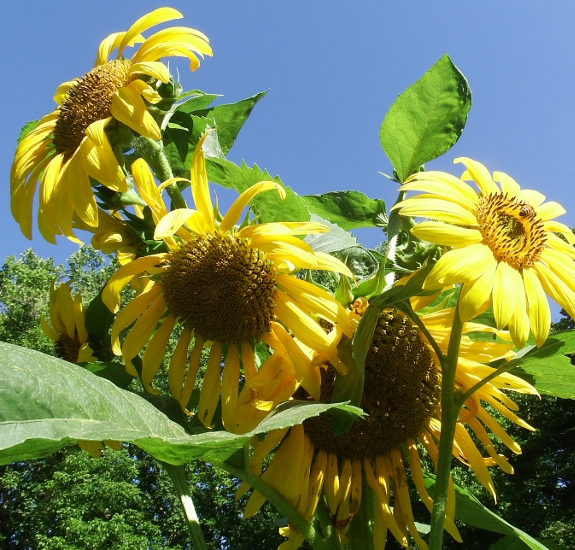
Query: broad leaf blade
[47, 403]
[427, 119]
[348, 209]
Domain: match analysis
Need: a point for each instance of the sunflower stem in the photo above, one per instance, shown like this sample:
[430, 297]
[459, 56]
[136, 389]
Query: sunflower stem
[178, 475]
[305, 528]
[153, 153]
[449, 412]
[323, 515]
[361, 528]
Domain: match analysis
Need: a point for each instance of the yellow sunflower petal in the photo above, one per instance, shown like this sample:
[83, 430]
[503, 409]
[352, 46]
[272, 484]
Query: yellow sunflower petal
[550, 210]
[48, 330]
[120, 279]
[446, 234]
[178, 361]
[168, 41]
[448, 189]
[172, 221]
[230, 385]
[474, 294]
[303, 326]
[519, 322]
[160, 15]
[233, 214]
[556, 288]
[199, 186]
[306, 374]
[81, 192]
[128, 107]
[140, 333]
[506, 288]
[460, 266]
[155, 351]
[532, 197]
[427, 206]
[479, 174]
[508, 184]
[155, 69]
[558, 227]
[110, 43]
[539, 312]
[210, 393]
[283, 228]
[62, 91]
[317, 301]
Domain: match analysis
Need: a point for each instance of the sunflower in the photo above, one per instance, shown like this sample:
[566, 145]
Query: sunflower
[69, 145]
[402, 399]
[67, 328]
[504, 245]
[230, 288]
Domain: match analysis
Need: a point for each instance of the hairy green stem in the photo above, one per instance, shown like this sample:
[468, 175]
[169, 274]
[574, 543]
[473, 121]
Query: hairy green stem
[178, 475]
[153, 153]
[360, 532]
[305, 528]
[323, 515]
[449, 411]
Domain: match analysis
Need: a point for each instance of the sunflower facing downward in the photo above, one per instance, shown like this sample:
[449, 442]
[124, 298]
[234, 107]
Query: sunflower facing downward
[228, 287]
[402, 398]
[505, 245]
[69, 145]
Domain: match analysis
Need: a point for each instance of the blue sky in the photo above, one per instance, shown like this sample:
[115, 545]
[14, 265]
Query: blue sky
[333, 69]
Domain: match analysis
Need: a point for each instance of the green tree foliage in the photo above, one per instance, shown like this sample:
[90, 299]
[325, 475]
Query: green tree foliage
[124, 500]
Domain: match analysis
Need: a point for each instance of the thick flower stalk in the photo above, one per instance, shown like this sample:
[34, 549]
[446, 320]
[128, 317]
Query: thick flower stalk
[70, 145]
[503, 244]
[227, 287]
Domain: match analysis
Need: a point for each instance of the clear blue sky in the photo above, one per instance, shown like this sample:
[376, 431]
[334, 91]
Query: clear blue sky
[333, 69]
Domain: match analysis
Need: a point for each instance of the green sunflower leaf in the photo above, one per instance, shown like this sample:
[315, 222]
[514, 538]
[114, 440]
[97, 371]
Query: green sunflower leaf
[348, 209]
[268, 205]
[229, 118]
[554, 375]
[427, 119]
[469, 510]
[512, 542]
[47, 403]
[333, 240]
[194, 101]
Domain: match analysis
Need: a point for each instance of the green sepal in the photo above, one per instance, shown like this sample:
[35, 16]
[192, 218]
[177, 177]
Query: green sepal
[427, 119]
[373, 285]
[343, 293]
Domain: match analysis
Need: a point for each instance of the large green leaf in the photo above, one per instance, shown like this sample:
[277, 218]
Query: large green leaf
[268, 206]
[469, 510]
[554, 375]
[427, 119]
[348, 209]
[47, 403]
[333, 240]
[512, 542]
[229, 118]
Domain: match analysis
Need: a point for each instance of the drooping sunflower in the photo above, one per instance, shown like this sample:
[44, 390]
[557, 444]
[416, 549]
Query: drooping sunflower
[230, 288]
[70, 145]
[402, 399]
[67, 328]
[504, 244]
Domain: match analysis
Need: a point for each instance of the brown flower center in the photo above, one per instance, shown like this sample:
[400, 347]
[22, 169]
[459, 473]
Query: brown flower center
[88, 101]
[400, 393]
[221, 288]
[68, 348]
[511, 229]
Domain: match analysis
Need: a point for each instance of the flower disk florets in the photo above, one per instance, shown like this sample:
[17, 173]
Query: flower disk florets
[88, 101]
[221, 288]
[511, 229]
[400, 393]
[68, 348]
